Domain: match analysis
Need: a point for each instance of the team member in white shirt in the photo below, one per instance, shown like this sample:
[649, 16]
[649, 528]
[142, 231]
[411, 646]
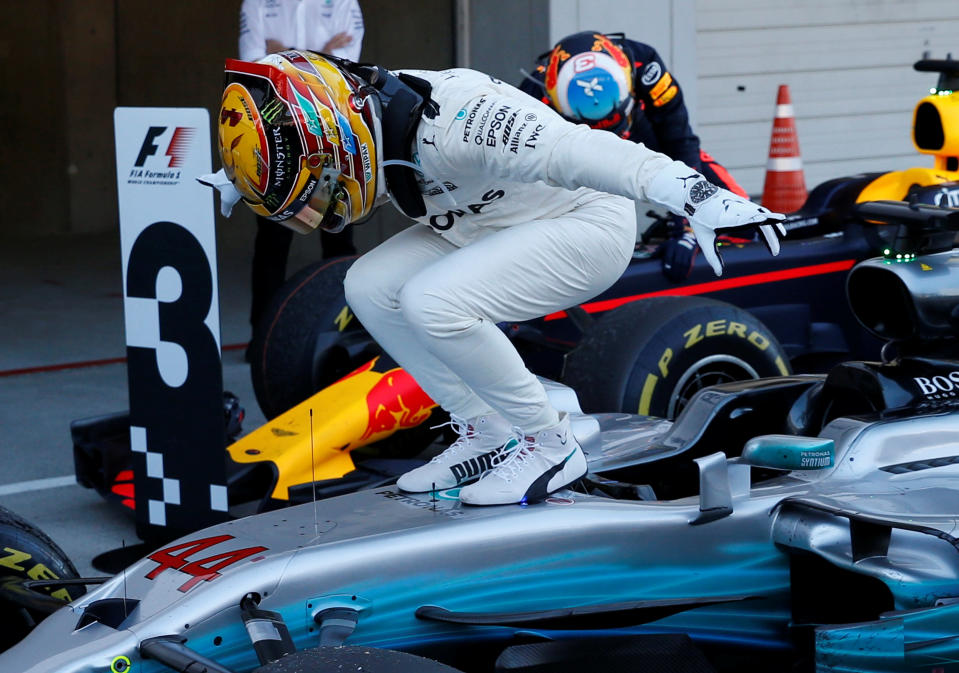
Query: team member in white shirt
[268, 26]
[330, 26]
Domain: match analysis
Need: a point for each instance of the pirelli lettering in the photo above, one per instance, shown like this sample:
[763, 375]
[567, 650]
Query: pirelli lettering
[716, 327]
[21, 562]
[692, 337]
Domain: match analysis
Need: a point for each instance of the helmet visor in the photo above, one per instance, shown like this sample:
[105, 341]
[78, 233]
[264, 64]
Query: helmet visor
[324, 205]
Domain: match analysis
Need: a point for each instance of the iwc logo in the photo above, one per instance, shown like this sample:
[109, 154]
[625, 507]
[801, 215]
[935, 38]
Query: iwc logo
[701, 191]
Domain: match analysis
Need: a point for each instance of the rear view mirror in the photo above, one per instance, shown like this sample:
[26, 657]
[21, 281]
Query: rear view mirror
[788, 452]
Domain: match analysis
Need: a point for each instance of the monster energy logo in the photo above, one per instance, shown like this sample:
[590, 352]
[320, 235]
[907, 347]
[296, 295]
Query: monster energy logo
[271, 111]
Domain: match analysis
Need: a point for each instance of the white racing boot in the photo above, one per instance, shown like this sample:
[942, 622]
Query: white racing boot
[541, 464]
[481, 446]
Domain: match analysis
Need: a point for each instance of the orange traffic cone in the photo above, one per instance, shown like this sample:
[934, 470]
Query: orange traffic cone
[784, 190]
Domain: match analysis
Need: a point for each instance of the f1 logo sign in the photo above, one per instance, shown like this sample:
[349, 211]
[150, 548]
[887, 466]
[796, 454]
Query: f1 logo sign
[177, 149]
[167, 237]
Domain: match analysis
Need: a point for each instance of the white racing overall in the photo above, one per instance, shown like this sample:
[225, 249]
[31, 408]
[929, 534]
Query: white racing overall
[534, 226]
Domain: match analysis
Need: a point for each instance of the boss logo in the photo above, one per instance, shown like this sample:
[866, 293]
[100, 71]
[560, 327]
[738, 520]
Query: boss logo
[939, 387]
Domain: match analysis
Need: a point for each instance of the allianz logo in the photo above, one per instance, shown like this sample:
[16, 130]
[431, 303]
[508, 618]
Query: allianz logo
[939, 387]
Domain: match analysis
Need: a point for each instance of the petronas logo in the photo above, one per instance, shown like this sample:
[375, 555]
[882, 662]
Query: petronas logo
[272, 110]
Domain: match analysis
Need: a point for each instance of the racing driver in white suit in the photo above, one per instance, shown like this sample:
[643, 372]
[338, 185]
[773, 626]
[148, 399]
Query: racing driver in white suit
[520, 213]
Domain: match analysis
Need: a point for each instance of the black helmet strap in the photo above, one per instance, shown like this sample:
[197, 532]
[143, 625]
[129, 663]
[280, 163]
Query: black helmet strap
[404, 99]
[403, 106]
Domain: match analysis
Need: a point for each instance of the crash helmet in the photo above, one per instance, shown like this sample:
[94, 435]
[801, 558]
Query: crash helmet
[297, 136]
[589, 79]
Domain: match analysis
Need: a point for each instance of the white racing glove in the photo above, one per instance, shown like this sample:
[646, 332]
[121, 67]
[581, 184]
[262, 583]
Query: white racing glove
[711, 209]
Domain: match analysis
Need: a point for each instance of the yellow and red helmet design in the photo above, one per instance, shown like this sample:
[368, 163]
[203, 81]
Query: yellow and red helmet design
[590, 79]
[298, 140]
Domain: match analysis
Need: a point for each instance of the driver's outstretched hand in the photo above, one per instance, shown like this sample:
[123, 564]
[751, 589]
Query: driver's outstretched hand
[712, 210]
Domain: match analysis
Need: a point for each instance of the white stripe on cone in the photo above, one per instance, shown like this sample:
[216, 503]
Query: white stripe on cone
[784, 110]
[784, 164]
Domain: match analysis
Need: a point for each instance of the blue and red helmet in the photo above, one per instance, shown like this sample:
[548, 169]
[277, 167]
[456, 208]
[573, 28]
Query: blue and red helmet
[589, 79]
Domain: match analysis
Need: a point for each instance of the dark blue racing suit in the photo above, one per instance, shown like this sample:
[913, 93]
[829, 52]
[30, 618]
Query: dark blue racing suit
[659, 117]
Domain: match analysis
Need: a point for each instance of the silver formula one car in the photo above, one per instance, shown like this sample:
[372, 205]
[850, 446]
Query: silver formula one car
[800, 522]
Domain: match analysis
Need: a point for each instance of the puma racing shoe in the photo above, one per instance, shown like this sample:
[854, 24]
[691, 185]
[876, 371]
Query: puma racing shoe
[482, 444]
[540, 464]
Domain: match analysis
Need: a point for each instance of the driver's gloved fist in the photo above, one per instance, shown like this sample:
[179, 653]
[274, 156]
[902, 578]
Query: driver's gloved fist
[711, 209]
[677, 255]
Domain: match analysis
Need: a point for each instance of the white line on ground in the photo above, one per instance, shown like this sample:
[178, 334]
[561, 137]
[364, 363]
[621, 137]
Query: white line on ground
[37, 485]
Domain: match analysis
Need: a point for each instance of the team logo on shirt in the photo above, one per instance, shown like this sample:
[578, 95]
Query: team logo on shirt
[651, 73]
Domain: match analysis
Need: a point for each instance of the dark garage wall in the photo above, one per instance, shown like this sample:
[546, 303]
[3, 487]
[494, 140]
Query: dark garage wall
[66, 64]
[506, 35]
[34, 194]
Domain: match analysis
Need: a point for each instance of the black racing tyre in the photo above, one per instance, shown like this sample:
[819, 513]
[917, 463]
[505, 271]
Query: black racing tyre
[27, 553]
[651, 356]
[307, 338]
[354, 659]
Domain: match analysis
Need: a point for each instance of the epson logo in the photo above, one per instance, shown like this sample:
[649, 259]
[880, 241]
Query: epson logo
[939, 386]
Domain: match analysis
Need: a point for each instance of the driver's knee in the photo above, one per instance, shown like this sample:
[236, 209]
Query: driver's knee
[433, 312]
[369, 291]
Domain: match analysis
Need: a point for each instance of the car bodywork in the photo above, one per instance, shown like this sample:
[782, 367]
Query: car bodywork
[423, 572]
[838, 529]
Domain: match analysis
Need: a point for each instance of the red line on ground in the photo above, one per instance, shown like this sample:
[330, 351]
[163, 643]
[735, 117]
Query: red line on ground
[717, 285]
[82, 364]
